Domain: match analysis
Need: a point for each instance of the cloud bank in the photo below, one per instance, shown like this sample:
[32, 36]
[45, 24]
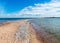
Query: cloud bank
[51, 9]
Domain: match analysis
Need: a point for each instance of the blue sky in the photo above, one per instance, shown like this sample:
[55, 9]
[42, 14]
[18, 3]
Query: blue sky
[29, 8]
[17, 5]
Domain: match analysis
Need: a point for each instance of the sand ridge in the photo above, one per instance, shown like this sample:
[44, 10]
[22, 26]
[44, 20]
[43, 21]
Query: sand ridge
[9, 29]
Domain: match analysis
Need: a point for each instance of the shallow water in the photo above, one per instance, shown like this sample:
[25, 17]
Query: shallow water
[49, 25]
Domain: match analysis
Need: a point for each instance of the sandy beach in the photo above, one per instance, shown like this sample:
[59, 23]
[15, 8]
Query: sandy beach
[25, 31]
[9, 32]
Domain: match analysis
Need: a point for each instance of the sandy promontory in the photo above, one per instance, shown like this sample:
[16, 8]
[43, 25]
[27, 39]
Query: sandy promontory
[18, 32]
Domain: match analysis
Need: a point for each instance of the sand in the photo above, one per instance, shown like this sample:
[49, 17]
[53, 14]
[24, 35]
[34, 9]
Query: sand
[15, 32]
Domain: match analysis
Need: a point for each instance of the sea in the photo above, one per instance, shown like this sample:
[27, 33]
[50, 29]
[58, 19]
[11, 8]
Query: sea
[11, 19]
[49, 24]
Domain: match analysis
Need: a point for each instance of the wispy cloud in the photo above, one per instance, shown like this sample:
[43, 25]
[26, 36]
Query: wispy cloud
[51, 9]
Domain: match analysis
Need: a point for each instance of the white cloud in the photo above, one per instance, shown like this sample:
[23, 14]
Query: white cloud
[51, 9]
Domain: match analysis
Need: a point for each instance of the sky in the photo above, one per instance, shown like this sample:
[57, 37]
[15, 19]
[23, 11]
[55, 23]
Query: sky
[29, 8]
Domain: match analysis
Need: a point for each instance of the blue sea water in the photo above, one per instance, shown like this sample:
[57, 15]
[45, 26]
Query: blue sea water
[2, 20]
[42, 22]
[11, 19]
[51, 25]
